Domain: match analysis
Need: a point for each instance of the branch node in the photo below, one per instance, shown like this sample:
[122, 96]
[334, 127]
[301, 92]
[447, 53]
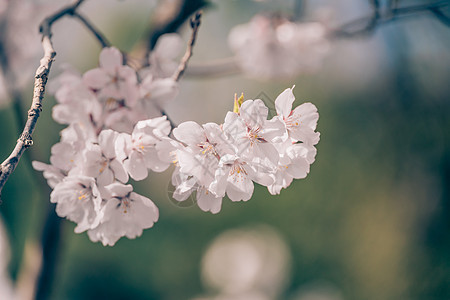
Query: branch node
[26, 139]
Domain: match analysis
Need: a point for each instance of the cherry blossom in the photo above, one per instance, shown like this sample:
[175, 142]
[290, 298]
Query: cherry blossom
[295, 161]
[273, 47]
[235, 178]
[108, 141]
[113, 79]
[78, 199]
[99, 160]
[125, 213]
[301, 122]
[204, 146]
[163, 59]
[137, 151]
[253, 133]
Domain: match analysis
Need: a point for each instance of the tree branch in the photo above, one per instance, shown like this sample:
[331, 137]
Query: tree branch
[195, 24]
[371, 22]
[25, 140]
[177, 13]
[97, 34]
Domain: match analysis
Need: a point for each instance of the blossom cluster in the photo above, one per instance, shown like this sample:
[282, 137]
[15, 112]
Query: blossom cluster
[217, 160]
[114, 118]
[116, 132]
[274, 47]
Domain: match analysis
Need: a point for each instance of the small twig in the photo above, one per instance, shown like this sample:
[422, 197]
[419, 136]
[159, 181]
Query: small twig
[97, 34]
[195, 24]
[25, 140]
[371, 22]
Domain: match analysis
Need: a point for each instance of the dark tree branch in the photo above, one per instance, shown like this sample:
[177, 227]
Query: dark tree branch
[370, 23]
[444, 19]
[184, 9]
[97, 34]
[195, 24]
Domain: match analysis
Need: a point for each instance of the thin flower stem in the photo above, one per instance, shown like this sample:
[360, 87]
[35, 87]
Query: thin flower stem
[97, 34]
[195, 24]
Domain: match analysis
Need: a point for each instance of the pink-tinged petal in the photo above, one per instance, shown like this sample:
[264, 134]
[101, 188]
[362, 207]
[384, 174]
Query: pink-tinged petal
[135, 165]
[274, 131]
[254, 112]
[305, 135]
[306, 114]
[207, 201]
[160, 91]
[284, 101]
[189, 133]
[106, 177]
[110, 58]
[107, 140]
[302, 123]
[156, 127]
[259, 176]
[266, 154]
[96, 78]
[234, 127]
[166, 149]
[118, 190]
[153, 162]
[150, 212]
[184, 189]
[122, 146]
[282, 180]
[119, 171]
[128, 74]
[299, 155]
[298, 169]
[219, 185]
[168, 46]
[238, 190]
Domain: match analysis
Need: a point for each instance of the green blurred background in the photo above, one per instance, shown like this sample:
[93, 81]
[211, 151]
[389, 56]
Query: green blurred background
[371, 220]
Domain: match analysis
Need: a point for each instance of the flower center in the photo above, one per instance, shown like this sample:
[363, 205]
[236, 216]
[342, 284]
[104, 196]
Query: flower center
[254, 135]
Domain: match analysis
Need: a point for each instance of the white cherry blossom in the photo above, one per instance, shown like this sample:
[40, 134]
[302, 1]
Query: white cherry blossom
[235, 178]
[113, 79]
[295, 161]
[78, 199]
[300, 122]
[163, 59]
[125, 213]
[204, 146]
[253, 134]
[99, 160]
[137, 151]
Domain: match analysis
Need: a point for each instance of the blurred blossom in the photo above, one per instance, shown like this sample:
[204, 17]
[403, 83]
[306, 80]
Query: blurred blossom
[273, 47]
[163, 59]
[20, 41]
[246, 264]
